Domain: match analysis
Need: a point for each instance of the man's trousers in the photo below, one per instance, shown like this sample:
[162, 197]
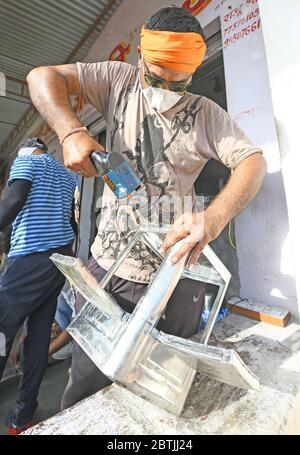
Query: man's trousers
[29, 287]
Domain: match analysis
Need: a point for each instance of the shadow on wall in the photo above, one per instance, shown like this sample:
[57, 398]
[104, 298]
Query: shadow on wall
[265, 257]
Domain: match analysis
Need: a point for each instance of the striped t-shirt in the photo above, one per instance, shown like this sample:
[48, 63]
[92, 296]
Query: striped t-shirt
[44, 221]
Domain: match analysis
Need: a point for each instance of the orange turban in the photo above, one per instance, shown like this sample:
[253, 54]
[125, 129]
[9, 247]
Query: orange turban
[175, 50]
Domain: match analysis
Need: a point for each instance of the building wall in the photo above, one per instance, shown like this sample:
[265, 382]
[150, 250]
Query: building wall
[280, 21]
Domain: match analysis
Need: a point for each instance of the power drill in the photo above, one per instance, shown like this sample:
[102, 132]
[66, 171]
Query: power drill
[120, 178]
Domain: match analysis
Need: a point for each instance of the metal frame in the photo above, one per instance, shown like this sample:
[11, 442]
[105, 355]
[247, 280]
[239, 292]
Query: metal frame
[130, 350]
[222, 279]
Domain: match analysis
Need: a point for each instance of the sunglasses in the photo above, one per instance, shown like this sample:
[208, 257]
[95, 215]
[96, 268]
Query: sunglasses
[157, 82]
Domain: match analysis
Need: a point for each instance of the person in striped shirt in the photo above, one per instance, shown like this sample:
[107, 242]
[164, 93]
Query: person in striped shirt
[38, 203]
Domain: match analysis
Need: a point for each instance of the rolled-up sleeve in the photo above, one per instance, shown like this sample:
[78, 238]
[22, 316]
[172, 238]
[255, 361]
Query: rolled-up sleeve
[98, 80]
[95, 83]
[226, 140]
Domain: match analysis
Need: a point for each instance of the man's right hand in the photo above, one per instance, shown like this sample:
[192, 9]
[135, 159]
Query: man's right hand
[50, 88]
[77, 149]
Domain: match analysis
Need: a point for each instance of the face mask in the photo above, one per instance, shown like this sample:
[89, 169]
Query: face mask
[26, 151]
[160, 99]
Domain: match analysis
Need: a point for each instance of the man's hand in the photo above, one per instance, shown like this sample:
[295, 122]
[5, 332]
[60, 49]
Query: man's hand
[198, 229]
[77, 149]
[15, 352]
[50, 88]
[14, 356]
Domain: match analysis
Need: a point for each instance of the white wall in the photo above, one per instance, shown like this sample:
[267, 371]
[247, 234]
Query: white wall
[281, 32]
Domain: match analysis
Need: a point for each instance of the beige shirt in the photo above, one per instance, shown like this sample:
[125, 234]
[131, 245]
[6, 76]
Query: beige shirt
[168, 151]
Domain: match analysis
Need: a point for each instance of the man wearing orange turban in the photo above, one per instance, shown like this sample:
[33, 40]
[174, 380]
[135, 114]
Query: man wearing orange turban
[177, 51]
[168, 59]
[168, 134]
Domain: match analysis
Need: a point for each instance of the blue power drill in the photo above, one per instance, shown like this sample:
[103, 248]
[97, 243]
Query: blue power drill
[120, 177]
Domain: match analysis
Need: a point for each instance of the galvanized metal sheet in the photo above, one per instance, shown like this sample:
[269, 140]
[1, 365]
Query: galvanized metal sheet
[224, 365]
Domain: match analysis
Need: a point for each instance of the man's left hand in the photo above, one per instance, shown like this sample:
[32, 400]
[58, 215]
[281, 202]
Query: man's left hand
[198, 228]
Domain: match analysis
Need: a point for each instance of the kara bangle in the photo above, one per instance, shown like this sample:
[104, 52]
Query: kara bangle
[73, 131]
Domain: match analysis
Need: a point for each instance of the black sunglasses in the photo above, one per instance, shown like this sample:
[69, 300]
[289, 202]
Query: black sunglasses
[157, 82]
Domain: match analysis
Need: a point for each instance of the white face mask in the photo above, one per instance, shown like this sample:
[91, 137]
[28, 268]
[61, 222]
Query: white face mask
[160, 99]
[26, 151]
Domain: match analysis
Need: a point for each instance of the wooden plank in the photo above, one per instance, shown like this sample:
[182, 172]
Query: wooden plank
[265, 313]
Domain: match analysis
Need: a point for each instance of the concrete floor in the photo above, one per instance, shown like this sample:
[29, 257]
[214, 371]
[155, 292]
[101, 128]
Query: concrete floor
[273, 355]
[51, 391]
